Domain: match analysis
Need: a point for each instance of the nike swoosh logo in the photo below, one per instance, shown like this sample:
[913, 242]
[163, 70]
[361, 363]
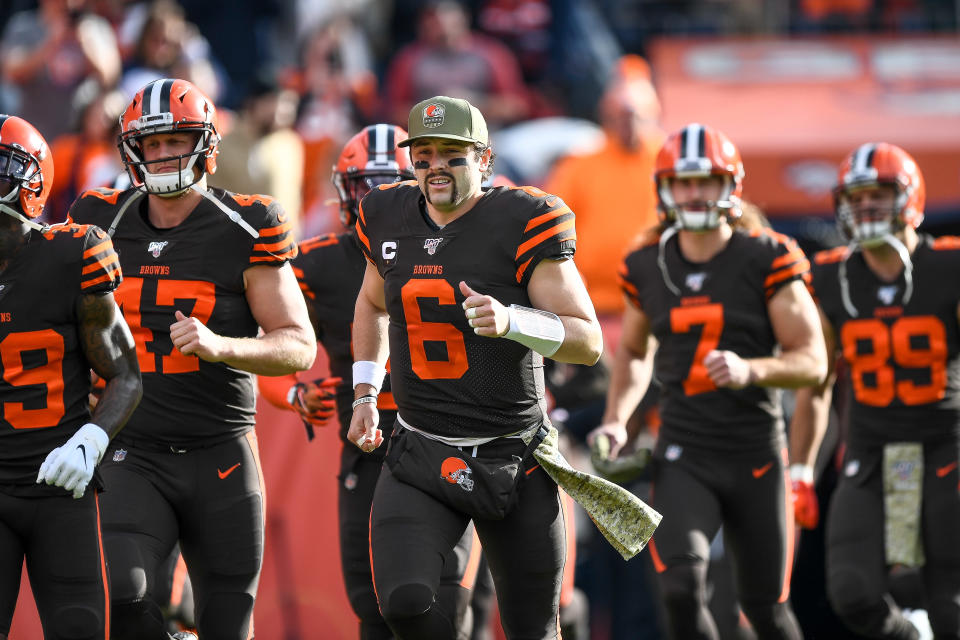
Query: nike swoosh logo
[224, 474]
[282, 217]
[942, 471]
[551, 202]
[757, 473]
[83, 450]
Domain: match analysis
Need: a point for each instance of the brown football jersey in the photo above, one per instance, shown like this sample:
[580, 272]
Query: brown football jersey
[197, 268]
[720, 304]
[446, 379]
[902, 356]
[46, 376]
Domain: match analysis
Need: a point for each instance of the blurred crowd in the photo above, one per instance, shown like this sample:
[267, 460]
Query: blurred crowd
[295, 79]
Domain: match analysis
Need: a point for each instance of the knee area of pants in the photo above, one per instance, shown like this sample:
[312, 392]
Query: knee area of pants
[128, 578]
[364, 604]
[406, 601]
[226, 616]
[77, 623]
[848, 591]
[684, 582]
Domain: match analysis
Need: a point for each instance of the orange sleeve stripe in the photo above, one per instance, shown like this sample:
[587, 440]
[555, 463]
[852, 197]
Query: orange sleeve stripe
[112, 275]
[946, 243]
[275, 231]
[364, 239]
[314, 243]
[360, 217]
[793, 255]
[522, 269]
[282, 244]
[543, 236]
[105, 264]
[277, 257]
[549, 215]
[830, 255]
[94, 250]
[779, 276]
[629, 288]
[306, 290]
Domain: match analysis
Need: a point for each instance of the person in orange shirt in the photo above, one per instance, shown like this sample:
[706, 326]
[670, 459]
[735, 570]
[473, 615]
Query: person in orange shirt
[611, 188]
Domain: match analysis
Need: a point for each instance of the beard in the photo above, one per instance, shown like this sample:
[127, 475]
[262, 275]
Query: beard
[455, 197]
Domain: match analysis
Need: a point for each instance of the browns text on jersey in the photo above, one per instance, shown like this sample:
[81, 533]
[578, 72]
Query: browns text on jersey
[716, 308]
[46, 377]
[197, 268]
[439, 366]
[902, 354]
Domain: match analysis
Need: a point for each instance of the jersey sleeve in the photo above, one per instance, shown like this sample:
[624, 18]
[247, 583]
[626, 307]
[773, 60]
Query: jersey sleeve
[626, 284]
[789, 263]
[307, 263]
[275, 243]
[549, 233]
[94, 206]
[100, 270]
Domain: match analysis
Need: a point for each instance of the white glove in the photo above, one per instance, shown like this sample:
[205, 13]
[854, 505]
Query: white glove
[71, 465]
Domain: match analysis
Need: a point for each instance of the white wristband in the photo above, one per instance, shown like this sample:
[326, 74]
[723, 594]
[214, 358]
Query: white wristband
[801, 472]
[542, 331]
[363, 400]
[368, 372]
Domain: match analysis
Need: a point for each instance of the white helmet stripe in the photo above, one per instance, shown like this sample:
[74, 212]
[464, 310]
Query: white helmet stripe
[380, 156]
[159, 99]
[693, 136]
[863, 158]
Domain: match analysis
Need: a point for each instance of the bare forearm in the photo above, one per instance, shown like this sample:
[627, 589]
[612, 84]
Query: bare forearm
[582, 342]
[789, 370]
[629, 379]
[120, 397]
[279, 352]
[809, 423]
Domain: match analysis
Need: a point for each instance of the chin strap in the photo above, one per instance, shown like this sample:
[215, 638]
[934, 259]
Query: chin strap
[668, 233]
[901, 250]
[22, 218]
[233, 215]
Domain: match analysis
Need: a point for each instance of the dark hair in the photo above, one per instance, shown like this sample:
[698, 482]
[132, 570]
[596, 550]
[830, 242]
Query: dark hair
[479, 148]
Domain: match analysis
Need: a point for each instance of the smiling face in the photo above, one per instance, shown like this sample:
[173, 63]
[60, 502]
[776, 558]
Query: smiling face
[449, 172]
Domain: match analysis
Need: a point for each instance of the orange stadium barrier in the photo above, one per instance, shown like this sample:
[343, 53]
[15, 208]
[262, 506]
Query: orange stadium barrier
[796, 107]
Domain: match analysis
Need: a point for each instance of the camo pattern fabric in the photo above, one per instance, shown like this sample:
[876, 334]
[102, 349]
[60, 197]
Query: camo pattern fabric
[902, 494]
[626, 521]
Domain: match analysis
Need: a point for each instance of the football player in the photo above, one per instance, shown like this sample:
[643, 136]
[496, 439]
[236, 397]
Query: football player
[58, 320]
[206, 268]
[727, 312]
[477, 285]
[330, 270]
[891, 309]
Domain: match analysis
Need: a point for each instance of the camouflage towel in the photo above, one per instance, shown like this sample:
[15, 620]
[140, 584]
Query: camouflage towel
[626, 521]
[902, 497]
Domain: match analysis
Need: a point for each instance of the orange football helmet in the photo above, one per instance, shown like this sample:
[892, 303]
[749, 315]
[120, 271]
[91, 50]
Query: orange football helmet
[26, 165]
[168, 106]
[872, 165]
[369, 158]
[456, 471]
[698, 151]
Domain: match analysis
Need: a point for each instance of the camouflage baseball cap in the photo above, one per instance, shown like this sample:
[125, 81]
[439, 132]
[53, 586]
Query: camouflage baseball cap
[445, 117]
